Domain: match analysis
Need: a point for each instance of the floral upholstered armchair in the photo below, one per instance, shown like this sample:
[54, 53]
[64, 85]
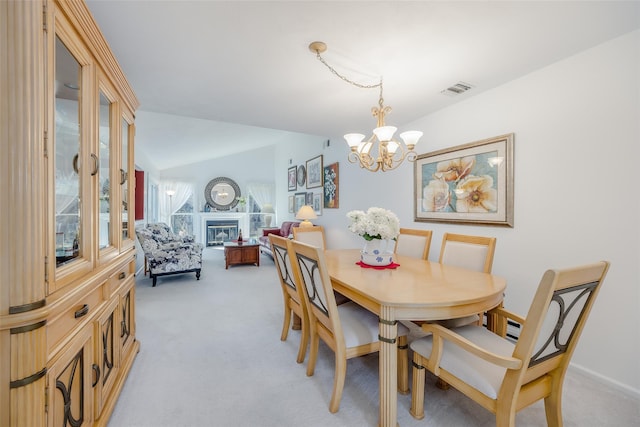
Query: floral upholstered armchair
[168, 253]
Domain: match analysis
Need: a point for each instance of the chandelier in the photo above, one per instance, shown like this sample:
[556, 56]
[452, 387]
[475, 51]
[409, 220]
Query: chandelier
[380, 152]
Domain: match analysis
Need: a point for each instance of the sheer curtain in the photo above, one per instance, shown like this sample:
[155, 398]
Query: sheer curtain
[170, 205]
[262, 193]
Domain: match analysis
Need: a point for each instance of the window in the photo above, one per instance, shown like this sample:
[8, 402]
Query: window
[255, 217]
[182, 219]
[260, 206]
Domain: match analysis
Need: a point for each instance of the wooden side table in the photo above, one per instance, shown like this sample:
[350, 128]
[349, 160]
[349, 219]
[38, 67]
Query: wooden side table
[245, 253]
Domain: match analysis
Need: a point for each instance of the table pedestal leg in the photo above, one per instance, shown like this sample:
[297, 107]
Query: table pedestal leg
[388, 368]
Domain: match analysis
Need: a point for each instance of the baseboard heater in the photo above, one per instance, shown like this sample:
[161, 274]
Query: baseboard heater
[513, 329]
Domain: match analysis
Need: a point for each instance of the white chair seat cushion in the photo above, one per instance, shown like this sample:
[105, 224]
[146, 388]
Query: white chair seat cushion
[484, 376]
[360, 326]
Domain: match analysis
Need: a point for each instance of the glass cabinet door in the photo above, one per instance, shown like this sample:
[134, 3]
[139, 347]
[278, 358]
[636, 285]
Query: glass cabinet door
[68, 208]
[125, 183]
[104, 171]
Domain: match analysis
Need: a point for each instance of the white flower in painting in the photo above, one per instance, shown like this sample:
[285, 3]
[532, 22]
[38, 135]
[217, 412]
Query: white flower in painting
[435, 196]
[455, 169]
[476, 194]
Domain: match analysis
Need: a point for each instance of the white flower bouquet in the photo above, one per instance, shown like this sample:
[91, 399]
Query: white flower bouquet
[376, 223]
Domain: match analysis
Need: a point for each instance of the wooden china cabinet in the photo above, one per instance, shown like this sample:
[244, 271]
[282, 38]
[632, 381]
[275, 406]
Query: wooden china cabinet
[67, 256]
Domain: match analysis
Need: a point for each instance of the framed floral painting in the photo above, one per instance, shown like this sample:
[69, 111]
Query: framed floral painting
[331, 186]
[471, 183]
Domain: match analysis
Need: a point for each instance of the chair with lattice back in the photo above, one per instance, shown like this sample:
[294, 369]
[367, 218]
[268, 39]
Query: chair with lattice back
[348, 329]
[293, 300]
[504, 377]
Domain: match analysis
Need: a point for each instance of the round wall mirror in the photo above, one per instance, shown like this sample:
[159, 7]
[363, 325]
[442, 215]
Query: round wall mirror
[222, 193]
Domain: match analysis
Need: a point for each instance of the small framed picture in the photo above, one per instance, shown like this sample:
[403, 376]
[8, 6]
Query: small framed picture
[299, 201]
[301, 175]
[291, 200]
[291, 178]
[317, 203]
[314, 172]
[309, 198]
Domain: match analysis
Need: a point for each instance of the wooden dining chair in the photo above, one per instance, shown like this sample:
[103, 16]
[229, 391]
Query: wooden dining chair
[313, 235]
[413, 243]
[470, 252]
[348, 329]
[294, 301]
[504, 377]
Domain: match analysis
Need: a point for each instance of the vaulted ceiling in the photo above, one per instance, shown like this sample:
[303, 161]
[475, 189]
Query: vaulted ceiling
[217, 76]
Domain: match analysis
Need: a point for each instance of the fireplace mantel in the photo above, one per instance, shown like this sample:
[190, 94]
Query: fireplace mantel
[241, 217]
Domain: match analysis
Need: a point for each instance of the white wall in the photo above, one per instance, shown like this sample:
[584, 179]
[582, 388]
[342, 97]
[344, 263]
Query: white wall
[577, 139]
[244, 168]
[577, 135]
[252, 166]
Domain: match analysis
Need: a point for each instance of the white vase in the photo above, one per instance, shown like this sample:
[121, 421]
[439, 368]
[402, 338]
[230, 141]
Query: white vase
[376, 252]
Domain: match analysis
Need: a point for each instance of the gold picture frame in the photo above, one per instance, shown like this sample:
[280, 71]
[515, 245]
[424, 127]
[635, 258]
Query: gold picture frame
[467, 184]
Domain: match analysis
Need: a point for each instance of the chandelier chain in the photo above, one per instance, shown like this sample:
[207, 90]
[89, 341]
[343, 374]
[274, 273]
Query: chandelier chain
[333, 70]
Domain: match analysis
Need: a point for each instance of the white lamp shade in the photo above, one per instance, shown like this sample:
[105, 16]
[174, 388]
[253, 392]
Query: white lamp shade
[411, 137]
[385, 133]
[306, 212]
[365, 147]
[267, 208]
[392, 147]
[354, 139]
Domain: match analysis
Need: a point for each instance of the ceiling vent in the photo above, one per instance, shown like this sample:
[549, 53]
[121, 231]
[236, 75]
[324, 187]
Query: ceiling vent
[457, 89]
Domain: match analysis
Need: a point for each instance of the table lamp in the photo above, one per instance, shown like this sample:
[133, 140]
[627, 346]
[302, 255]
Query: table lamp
[267, 209]
[306, 213]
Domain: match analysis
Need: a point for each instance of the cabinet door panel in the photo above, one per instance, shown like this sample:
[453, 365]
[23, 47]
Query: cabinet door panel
[107, 360]
[127, 317]
[69, 385]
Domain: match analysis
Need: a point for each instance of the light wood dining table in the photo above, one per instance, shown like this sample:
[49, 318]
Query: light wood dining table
[416, 290]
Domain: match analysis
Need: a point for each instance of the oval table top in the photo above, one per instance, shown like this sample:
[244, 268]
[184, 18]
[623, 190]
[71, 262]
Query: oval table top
[416, 289]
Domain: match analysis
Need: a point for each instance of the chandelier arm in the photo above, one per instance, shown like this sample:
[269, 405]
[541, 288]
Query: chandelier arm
[411, 156]
[365, 161]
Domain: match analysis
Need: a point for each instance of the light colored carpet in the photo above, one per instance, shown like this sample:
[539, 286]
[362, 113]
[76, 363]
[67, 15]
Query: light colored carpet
[211, 355]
